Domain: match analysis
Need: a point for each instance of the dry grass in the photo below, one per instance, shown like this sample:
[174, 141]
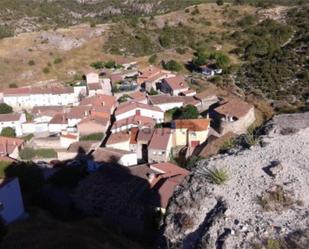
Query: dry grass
[16, 52]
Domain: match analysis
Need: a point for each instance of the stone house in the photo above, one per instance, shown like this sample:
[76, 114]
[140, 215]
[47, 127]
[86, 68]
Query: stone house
[234, 115]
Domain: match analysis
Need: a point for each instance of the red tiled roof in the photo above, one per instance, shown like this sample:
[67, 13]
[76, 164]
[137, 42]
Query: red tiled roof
[169, 168]
[79, 112]
[38, 90]
[192, 124]
[60, 118]
[176, 83]
[95, 119]
[119, 137]
[135, 120]
[8, 144]
[9, 117]
[47, 110]
[125, 107]
[100, 100]
[162, 99]
[108, 155]
[165, 183]
[145, 135]
[94, 86]
[116, 78]
[133, 138]
[160, 139]
[234, 108]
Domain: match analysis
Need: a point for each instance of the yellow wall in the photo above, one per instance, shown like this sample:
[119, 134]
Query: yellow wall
[200, 136]
[180, 137]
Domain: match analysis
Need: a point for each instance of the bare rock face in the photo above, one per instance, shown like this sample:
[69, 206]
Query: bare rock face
[253, 206]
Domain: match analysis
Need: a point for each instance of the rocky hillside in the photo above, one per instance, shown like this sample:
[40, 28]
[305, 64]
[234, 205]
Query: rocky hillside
[19, 16]
[256, 198]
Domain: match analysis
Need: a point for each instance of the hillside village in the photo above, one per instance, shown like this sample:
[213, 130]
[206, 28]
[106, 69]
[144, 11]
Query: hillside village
[146, 121]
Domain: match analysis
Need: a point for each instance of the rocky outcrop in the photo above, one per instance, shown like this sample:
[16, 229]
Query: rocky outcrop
[265, 199]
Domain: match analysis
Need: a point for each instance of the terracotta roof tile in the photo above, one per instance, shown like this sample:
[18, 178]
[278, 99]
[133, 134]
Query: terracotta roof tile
[118, 138]
[234, 108]
[160, 138]
[177, 82]
[108, 155]
[192, 124]
[10, 117]
[125, 107]
[8, 144]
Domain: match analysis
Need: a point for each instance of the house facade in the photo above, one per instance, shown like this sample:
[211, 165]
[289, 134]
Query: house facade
[234, 116]
[132, 108]
[190, 132]
[14, 121]
[28, 97]
[160, 145]
[174, 85]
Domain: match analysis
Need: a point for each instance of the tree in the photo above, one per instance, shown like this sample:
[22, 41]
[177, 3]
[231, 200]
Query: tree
[152, 59]
[200, 58]
[110, 64]
[220, 2]
[5, 108]
[153, 91]
[239, 2]
[189, 112]
[97, 65]
[8, 132]
[172, 65]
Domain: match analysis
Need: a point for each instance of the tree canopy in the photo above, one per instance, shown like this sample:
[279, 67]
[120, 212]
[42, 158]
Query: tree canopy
[5, 108]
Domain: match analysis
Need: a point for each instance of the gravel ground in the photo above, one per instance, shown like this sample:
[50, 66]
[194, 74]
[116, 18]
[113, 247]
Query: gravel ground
[245, 219]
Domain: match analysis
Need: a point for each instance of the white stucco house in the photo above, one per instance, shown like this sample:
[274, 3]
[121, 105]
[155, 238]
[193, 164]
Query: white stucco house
[92, 78]
[131, 108]
[13, 120]
[11, 202]
[28, 97]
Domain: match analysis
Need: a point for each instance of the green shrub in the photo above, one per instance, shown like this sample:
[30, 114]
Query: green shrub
[173, 65]
[153, 91]
[8, 132]
[57, 61]
[46, 70]
[216, 176]
[13, 85]
[5, 31]
[46, 153]
[110, 64]
[27, 153]
[220, 2]
[5, 108]
[93, 137]
[187, 112]
[97, 64]
[31, 63]
[152, 59]
[227, 145]
[273, 244]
